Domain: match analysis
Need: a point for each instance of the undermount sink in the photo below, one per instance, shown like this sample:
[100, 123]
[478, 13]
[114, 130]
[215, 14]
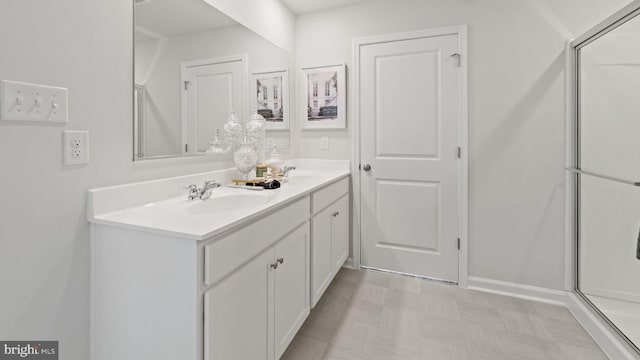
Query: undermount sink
[219, 203]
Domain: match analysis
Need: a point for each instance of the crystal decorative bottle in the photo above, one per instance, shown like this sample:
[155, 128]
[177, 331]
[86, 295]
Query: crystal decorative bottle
[232, 133]
[245, 157]
[256, 134]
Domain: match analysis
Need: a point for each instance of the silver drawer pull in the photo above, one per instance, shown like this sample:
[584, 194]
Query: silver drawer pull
[274, 265]
[280, 260]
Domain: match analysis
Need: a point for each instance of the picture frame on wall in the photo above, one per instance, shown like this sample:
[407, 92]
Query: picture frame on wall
[270, 98]
[323, 97]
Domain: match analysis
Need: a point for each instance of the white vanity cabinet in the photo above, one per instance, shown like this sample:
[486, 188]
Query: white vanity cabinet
[259, 308]
[330, 235]
[167, 285]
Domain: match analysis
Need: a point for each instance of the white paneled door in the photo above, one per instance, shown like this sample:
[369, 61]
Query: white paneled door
[409, 122]
[212, 89]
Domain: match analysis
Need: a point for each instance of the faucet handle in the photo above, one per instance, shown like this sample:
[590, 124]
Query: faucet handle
[191, 187]
[211, 184]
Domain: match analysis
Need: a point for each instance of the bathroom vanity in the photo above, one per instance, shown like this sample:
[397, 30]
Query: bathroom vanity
[230, 277]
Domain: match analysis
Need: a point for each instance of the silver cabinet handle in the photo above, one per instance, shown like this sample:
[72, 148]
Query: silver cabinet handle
[366, 167]
[274, 265]
[335, 213]
[280, 260]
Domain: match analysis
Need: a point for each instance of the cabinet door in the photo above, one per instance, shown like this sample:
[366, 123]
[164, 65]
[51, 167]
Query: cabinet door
[291, 286]
[321, 266]
[339, 233]
[237, 313]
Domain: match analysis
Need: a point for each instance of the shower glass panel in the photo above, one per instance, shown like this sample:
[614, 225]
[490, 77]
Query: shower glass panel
[608, 168]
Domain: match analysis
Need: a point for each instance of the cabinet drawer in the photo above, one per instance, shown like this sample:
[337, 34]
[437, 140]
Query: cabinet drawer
[322, 198]
[230, 252]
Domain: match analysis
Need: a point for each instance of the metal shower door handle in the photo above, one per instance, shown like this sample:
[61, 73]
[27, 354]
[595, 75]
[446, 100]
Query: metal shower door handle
[366, 167]
[638, 246]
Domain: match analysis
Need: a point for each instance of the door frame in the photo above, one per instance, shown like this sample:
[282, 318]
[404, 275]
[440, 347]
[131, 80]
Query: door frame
[243, 58]
[463, 139]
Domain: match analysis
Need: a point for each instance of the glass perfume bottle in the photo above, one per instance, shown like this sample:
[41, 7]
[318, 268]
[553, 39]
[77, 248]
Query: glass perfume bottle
[216, 146]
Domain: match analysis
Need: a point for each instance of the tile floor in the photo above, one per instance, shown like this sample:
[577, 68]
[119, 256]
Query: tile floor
[371, 315]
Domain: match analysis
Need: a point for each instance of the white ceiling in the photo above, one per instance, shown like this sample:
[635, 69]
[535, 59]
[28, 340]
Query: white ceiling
[166, 18]
[306, 6]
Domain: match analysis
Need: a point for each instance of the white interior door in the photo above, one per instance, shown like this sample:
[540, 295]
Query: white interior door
[410, 120]
[212, 90]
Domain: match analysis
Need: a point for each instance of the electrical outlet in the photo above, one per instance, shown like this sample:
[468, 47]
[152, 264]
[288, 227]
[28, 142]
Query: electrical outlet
[75, 147]
[324, 143]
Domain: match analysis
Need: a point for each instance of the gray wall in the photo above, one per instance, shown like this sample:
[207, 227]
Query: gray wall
[516, 115]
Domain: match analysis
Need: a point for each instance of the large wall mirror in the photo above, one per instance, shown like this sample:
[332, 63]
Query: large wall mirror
[608, 172]
[193, 66]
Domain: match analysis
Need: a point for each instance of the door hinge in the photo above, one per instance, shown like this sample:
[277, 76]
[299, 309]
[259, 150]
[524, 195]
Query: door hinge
[458, 243]
[186, 148]
[186, 85]
[359, 167]
[458, 57]
[459, 152]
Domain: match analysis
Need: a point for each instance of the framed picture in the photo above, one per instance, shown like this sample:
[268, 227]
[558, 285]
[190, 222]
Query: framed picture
[323, 97]
[271, 98]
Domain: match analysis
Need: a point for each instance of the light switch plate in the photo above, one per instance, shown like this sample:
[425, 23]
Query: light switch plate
[324, 143]
[32, 102]
[75, 147]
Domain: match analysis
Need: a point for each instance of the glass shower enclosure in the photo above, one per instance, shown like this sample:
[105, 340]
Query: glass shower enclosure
[606, 171]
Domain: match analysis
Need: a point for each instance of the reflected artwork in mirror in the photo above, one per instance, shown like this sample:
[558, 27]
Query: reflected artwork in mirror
[607, 173]
[191, 70]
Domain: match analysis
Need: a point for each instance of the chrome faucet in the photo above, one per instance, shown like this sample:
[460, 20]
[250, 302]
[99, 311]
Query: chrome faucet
[285, 170]
[204, 193]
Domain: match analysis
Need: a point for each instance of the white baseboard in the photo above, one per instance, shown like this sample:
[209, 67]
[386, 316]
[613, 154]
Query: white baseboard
[600, 331]
[349, 264]
[527, 292]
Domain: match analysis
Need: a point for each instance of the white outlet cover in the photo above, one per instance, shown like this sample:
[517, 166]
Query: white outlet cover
[75, 147]
[324, 143]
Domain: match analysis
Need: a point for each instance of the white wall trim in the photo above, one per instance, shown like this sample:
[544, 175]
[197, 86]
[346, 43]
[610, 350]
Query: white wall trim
[526, 292]
[601, 332]
[463, 231]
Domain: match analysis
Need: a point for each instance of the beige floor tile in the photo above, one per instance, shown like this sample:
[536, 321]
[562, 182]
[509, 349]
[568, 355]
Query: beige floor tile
[517, 322]
[372, 315]
[527, 347]
[445, 306]
[335, 352]
[406, 284]
[486, 341]
[403, 300]
[432, 350]
[304, 348]
[400, 322]
[582, 353]
[570, 332]
[481, 315]
[443, 330]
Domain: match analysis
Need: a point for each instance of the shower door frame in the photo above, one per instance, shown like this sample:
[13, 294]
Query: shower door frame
[572, 161]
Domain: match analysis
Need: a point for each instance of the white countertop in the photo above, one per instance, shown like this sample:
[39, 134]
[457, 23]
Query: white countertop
[192, 219]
